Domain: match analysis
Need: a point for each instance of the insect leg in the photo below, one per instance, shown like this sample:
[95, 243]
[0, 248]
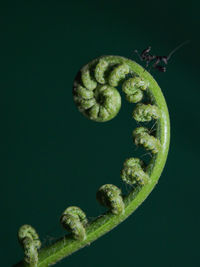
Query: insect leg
[160, 68]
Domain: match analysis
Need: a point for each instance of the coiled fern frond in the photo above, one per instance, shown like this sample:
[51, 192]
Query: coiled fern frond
[97, 97]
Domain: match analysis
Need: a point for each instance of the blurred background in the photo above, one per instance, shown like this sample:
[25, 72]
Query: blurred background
[53, 157]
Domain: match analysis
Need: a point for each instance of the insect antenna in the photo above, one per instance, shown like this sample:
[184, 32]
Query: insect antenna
[136, 52]
[177, 48]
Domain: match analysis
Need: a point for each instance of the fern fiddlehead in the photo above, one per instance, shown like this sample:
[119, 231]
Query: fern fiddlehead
[97, 98]
[74, 220]
[30, 242]
[109, 196]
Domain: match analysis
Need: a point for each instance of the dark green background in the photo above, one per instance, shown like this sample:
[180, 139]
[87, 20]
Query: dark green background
[53, 157]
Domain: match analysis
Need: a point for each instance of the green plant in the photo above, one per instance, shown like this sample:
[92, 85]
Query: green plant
[97, 98]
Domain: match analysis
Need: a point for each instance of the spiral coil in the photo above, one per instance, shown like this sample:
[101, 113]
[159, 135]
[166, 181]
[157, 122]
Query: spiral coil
[133, 172]
[95, 93]
[74, 220]
[109, 196]
[142, 137]
[29, 240]
[147, 112]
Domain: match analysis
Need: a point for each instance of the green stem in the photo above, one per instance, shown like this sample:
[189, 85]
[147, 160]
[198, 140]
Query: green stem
[101, 225]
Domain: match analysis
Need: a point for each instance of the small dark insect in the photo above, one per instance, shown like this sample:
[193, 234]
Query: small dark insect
[148, 58]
